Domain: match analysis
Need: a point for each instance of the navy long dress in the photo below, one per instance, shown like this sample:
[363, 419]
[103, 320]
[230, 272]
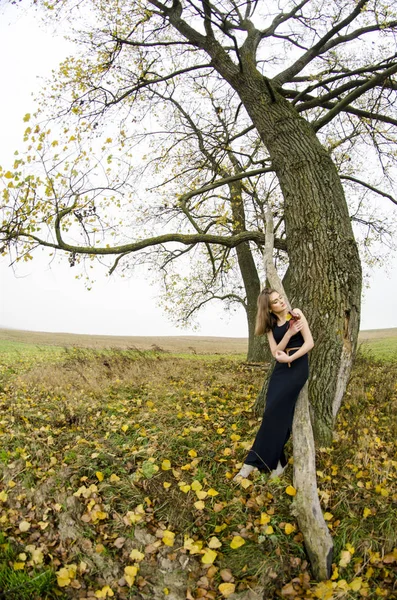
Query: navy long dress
[284, 386]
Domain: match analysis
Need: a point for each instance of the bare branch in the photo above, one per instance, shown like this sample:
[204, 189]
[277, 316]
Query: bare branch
[369, 187]
[345, 102]
[197, 307]
[282, 18]
[318, 48]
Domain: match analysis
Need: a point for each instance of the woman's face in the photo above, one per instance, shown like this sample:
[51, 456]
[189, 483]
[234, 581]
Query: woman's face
[277, 303]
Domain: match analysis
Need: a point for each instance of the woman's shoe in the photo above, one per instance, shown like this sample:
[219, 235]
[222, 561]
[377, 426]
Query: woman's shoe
[279, 470]
[244, 472]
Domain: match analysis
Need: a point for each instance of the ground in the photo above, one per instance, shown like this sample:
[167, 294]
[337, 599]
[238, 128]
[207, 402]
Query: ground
[116, 478]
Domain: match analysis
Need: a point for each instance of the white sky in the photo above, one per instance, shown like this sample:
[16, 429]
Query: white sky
[47, 297]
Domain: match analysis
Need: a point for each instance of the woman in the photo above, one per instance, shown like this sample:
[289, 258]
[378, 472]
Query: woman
[290, 340]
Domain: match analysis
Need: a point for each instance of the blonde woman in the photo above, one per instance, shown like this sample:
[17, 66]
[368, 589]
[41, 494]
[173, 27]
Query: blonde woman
[290, 340]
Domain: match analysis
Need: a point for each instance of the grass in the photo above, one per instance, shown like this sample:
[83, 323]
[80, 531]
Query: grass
[18, 584]
[380, 349]
[382, 341]
[87, 436]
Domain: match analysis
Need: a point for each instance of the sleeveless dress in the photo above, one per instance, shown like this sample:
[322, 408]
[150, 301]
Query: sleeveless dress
[284, 386]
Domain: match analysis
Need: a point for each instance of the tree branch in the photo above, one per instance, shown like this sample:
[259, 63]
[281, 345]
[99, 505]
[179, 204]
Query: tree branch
[281, 18]
[368, 186]
[214, 297]
[318, 48]
[358, 112]
[339, 106]
[149, 82]
[185, 239]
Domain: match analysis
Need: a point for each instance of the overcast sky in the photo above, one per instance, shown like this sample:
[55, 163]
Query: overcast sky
[47, 297]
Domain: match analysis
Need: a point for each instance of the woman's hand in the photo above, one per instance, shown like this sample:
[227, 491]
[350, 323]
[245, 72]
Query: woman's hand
[282, 357]
[295, 326]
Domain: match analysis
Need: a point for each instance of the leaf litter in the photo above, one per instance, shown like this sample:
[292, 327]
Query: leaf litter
[116, 481]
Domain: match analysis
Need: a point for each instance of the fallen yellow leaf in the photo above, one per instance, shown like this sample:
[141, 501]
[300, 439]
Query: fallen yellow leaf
[345, 558]
[201, 494]
[269, 530]
[289, 528]
[226, 589]
[236, 542]
[130, 574]
[209, 556]
[214, 543]
[105, 592]
[168, 538]
[245, 483]
[356, 584]
[192, 545]
[265, 519]
[136, 555]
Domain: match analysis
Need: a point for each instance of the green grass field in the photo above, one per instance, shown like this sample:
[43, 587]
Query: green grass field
[116, 469]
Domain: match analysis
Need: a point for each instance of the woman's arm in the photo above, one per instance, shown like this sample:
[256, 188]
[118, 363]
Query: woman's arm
[308, 342]
[274, 347]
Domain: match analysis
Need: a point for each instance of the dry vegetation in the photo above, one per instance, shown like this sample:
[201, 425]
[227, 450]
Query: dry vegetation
[116, 475]
[175, 344]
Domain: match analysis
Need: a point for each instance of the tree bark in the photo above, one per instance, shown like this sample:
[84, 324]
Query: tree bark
[249, 273]
[324, 261]
[306, 505]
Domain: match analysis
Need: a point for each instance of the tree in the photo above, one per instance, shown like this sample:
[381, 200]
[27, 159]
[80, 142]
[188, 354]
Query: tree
[321, 87]
[205, 151]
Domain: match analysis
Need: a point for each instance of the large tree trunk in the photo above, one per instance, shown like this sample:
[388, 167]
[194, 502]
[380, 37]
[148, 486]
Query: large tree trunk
[256, 349]
[324, 262]
[248, 272]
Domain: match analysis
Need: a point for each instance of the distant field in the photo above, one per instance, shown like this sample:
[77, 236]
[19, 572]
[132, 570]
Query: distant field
[176, 344]
[381, 343]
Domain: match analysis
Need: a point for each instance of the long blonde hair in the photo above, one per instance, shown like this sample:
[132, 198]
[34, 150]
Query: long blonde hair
[265, 319]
